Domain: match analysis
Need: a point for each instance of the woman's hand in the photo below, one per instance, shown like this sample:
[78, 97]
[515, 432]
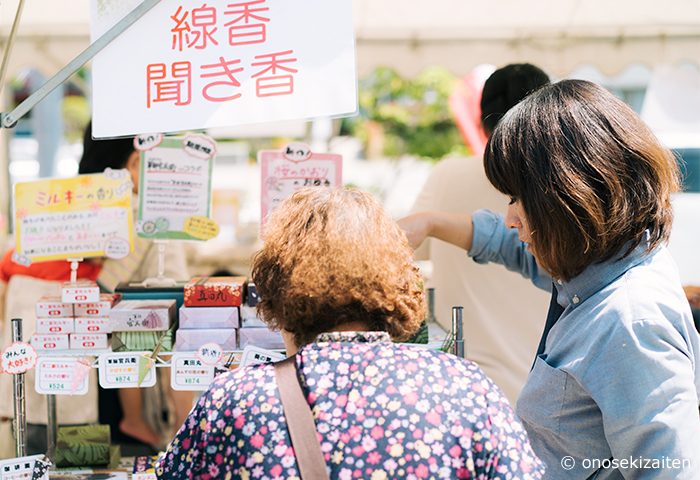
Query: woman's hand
[452, 228]
[417, 227]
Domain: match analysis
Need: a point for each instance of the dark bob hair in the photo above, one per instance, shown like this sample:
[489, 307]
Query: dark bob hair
[98, 155]
[590, 175]
[505, 88]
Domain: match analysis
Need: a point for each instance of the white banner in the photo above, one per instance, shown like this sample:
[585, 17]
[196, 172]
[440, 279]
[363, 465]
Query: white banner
[193, 65]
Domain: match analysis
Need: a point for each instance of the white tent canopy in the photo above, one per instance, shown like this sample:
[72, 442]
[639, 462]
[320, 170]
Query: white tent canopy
[559, 35]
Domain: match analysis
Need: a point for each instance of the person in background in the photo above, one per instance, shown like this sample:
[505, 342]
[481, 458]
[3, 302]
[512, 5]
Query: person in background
[616, 379]
[26, 284]
[118, 153]
[336, 276]
[499, 336]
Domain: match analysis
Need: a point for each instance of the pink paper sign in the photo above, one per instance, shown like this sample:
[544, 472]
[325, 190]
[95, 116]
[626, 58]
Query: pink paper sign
[284, 172]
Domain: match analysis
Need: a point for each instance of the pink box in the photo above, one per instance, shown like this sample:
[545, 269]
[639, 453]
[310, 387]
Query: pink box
[97, 309]
[191, 340]
[142, 315]
[261, 337]
[55, 325]
[80, 292]
[88, 341]
[49, 341]
[208, 317]
[92, 325]
[52, 306]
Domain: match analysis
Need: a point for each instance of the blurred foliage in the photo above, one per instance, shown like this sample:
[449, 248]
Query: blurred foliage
[76, 115]
[406, 116]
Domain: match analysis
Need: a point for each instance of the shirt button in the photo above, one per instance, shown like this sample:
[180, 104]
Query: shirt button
[575, 299]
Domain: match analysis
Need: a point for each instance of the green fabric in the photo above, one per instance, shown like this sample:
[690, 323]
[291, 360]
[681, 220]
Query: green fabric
[421, 335]
[83, 446]
[141, 341]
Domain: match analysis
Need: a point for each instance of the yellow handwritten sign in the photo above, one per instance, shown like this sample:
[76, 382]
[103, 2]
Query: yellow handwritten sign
[202, 228]
[83, 216]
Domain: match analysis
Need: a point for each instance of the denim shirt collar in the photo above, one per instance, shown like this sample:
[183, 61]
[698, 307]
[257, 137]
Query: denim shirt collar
[598, 275]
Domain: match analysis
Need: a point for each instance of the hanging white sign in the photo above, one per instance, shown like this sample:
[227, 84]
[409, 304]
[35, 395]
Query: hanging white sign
[222, 63]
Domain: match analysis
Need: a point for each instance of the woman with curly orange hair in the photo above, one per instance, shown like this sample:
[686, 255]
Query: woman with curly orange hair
[336, 277]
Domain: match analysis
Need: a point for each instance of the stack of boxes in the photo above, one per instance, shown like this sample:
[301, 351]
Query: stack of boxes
[73, 322]
[139, 325]
[210, 313]
[92, 323]
[253, 330]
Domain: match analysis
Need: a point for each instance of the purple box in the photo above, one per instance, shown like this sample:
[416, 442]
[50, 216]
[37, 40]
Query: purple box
[250, 318]
[261, 337]
[142, 315]
[191, 340]
[209, 317]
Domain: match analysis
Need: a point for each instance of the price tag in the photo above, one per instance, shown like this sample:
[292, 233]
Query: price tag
[210, 353]
[187, 372]
[62, 376]
[121, 370]
[20, 468]
[18, 358]
[255, 355]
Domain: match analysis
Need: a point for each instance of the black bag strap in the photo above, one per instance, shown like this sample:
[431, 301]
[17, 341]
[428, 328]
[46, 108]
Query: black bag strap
[300, 422]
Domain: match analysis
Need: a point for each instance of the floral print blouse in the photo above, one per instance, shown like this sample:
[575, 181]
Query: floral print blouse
[382, 411]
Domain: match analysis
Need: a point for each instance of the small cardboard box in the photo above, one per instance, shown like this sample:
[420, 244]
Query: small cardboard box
[80, 292]
[208, 317]
[142, 315]
[53, 306]
[88, 341]
[50, 341]
[261, 337]
[97, 309]
[92, 325]
[55, 325]
[214, 292]
[191, 340]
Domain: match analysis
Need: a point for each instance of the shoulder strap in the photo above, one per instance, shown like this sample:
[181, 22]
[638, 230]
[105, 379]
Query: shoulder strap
[300, 422]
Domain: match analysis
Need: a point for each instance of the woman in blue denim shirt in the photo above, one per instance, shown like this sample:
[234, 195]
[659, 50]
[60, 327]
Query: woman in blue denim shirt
[613, 391]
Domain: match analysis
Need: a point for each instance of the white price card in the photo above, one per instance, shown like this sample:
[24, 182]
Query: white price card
[121, 370]
[20, 468]
[187, 372]
[62, 375]
[255, 355]
[18, 358]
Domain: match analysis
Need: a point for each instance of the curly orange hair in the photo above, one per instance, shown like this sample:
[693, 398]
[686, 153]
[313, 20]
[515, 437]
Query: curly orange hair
[332, 256]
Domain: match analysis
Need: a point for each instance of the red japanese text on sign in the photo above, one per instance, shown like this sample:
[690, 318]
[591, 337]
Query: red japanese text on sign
[224, 68]
[197, 32]
[165, 86]
[248, 27]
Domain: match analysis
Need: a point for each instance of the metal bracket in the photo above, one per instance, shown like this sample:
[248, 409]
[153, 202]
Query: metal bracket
[9, 120]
